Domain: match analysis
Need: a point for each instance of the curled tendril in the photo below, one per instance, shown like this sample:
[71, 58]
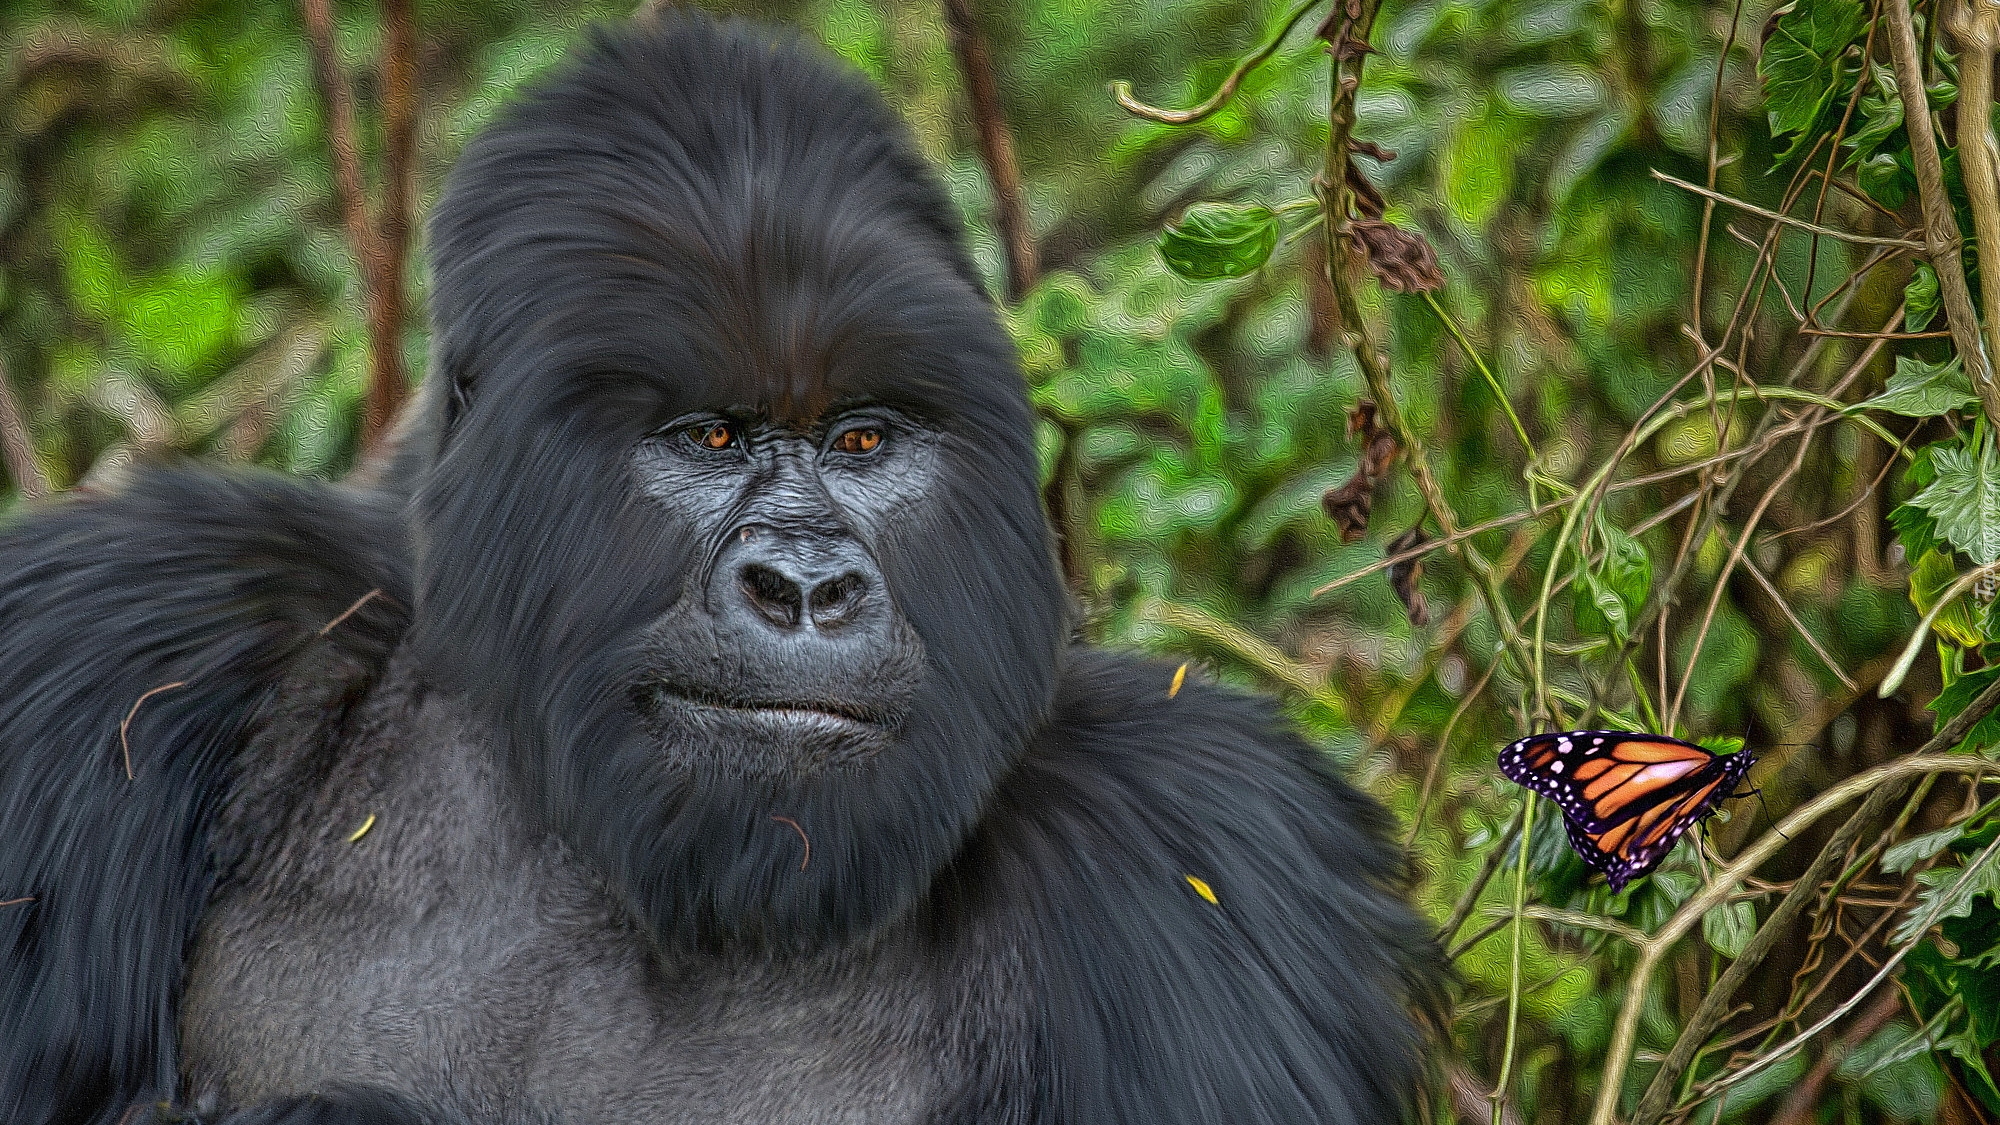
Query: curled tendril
[1121, 90]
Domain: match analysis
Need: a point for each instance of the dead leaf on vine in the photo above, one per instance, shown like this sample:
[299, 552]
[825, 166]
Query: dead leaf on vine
[1350, 504]
[1404, 576]
[1403, 260]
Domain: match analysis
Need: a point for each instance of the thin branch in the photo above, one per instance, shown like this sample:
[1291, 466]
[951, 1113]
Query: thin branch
[125, 727]
[1764, 580]
[17, 447]
[1927, 918]
[400, 111]
[1344, 262]
[381, 284]
[1777, 217]
[1940, 225]
[1122, 90]
[1802, 1106]
[996, 147]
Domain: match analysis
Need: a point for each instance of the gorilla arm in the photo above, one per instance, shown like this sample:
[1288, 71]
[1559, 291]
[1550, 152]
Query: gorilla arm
[1294, 997]
[216, 584]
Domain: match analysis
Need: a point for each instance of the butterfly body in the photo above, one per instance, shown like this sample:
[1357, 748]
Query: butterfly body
[1626, 797]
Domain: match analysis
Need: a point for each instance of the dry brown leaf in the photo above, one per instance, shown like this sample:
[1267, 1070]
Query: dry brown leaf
[1404, 576]
[1350, 504]
[1403, 260]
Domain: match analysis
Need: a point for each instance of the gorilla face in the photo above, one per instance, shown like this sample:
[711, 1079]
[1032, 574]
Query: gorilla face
[785, 651]
[730, 523]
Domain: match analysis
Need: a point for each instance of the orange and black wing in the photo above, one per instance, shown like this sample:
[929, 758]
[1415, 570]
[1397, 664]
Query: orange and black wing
[1626, 797]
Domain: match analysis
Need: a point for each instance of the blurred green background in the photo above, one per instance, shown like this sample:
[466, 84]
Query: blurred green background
[174, 278]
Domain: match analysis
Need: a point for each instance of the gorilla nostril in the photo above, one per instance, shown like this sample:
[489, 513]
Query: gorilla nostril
[837, 599]
[774, 596]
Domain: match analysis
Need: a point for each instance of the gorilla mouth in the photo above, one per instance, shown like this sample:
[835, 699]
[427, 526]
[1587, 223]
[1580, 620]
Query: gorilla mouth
[764, 737]
[787, 711]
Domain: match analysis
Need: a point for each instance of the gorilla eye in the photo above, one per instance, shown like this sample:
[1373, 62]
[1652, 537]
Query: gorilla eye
[862, 440]
[713, 435]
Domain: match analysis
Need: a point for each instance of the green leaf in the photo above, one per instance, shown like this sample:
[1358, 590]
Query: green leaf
[1804, 65]
[1596, 608]
[1933, 574]
[1915, 529]
[1609, 595]
[1895, 1070]
[1925, 390]
[1920, 300]
[1954, 698]
[1880, 114]
[1965, 500]
[1908, 853]
[1938, 896]
[1219, 240]
[1888, 178]
[1727, 928]
[1965, 1047]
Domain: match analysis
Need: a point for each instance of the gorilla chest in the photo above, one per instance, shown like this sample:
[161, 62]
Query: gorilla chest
[453, 957]
[542, 1030]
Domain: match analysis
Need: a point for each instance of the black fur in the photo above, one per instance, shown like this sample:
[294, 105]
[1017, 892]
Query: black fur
[215, 582]
[993, 922]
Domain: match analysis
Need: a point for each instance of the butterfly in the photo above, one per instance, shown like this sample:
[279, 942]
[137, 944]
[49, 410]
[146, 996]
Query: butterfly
[1626, 797]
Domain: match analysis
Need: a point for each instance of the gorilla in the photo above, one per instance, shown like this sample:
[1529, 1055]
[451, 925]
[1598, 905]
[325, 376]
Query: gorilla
[684, 726]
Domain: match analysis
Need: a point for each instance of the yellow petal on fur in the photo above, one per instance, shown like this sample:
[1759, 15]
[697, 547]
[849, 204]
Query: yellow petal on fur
[363, 830]
[1180, 677]
[1200, 887]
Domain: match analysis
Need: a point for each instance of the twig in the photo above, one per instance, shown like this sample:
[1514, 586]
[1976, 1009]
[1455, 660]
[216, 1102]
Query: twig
[1802, 1105]
[399, 186]
[1940, 225]
[1764, 580]
[125, 727]
[18, 901]
[1245, 646]
[996, 147]
[1976, 25]
[350, 610]
[803, 838]
[1777, 217]
[1881, 786]
[16, 446]
[1122, 90]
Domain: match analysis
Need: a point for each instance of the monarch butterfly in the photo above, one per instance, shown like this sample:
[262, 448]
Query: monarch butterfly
[1626, 797]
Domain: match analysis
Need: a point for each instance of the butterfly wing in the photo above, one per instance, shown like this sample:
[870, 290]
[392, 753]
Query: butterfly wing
[1601, 778]
[1626, 798]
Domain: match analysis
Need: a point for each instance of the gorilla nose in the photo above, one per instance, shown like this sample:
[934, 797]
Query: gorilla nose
[791, 600]
[797, 586]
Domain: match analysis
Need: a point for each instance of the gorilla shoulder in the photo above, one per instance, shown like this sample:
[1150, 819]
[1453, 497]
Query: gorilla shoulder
[1295, 995]
[141, 630]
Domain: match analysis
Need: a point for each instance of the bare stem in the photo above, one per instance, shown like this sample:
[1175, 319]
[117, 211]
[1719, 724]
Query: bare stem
[1940, 225]
[1976, 26]
[996, 146]
[381, 279]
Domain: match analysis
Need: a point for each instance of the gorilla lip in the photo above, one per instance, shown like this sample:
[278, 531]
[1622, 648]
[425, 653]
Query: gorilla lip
[794, 711]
